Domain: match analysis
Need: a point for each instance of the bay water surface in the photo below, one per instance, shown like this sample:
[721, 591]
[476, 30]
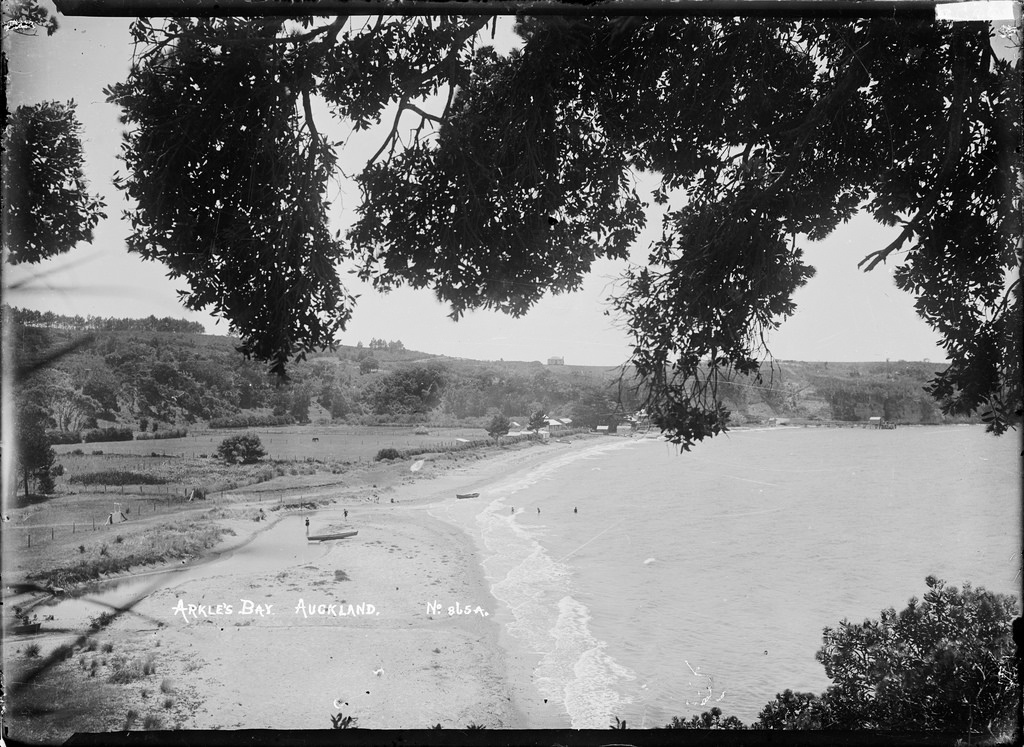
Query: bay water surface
[653, 584]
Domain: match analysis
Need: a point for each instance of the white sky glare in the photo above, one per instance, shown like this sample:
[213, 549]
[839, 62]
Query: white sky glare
[843, 313]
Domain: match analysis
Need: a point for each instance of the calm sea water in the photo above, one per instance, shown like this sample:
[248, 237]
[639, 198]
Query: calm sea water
[687, 581]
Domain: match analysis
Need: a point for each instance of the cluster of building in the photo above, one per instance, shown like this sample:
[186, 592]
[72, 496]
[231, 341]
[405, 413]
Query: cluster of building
[520, 426]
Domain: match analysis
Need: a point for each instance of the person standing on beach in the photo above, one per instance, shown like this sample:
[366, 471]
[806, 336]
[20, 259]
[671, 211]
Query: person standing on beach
[575, 510]
[307, 526]
[538, 510]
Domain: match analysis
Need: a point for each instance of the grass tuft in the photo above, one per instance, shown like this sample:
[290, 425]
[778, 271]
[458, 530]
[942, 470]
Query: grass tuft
[125, 671]
[152, 722]
[63, 652]
[101, 621]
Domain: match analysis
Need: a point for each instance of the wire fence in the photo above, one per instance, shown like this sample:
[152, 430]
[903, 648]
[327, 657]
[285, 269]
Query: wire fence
[137, 502]
[132, 503]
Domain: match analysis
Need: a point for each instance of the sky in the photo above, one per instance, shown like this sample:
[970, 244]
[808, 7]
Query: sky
[843, 314]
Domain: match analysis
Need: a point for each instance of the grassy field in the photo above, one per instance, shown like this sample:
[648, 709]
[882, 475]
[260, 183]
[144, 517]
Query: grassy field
[334, 443]
[176, 466]
[67, 536]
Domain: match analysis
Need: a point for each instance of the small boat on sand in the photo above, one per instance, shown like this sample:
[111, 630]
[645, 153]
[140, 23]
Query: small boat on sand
[333, 535]
[466, 495]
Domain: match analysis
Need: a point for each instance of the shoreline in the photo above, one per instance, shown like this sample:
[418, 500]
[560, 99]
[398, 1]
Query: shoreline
[501, 667]
[522, 661]
[398, 668]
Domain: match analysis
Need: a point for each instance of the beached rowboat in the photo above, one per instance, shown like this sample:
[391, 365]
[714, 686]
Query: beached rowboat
[466, 495]
[333, 535]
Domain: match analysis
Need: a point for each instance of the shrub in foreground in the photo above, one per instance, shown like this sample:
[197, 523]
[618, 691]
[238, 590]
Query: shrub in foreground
[944, 663]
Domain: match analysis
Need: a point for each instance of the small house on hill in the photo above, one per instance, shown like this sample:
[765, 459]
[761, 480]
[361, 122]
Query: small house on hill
[558, 425]
[556, 361]
[518, 426]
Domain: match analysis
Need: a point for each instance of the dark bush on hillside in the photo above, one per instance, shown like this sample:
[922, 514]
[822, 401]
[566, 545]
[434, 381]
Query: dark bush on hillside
[117, 477]
[252, 421]
[388, 453]
[108, 434]
[172, 433]
[242, 449]
[64, 437]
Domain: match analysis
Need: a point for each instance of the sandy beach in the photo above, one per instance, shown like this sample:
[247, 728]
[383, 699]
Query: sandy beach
[395, 627]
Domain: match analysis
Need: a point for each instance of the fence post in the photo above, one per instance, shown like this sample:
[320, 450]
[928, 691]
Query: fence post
[30, 539]
[51, 532]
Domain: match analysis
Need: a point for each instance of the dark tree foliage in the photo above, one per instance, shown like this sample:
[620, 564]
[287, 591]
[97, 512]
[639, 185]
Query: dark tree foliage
[792, 710]
[499, 426]
[593, 408]
[517, 196]
[707, 720]
[763, 134]
[36, 457]
[46, 207]
[229, 180]
[150, 324]
[241, 449]
[408, 390]
[944, 662]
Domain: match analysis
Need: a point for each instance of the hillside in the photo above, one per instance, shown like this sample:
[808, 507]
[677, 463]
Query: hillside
[137, 375]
